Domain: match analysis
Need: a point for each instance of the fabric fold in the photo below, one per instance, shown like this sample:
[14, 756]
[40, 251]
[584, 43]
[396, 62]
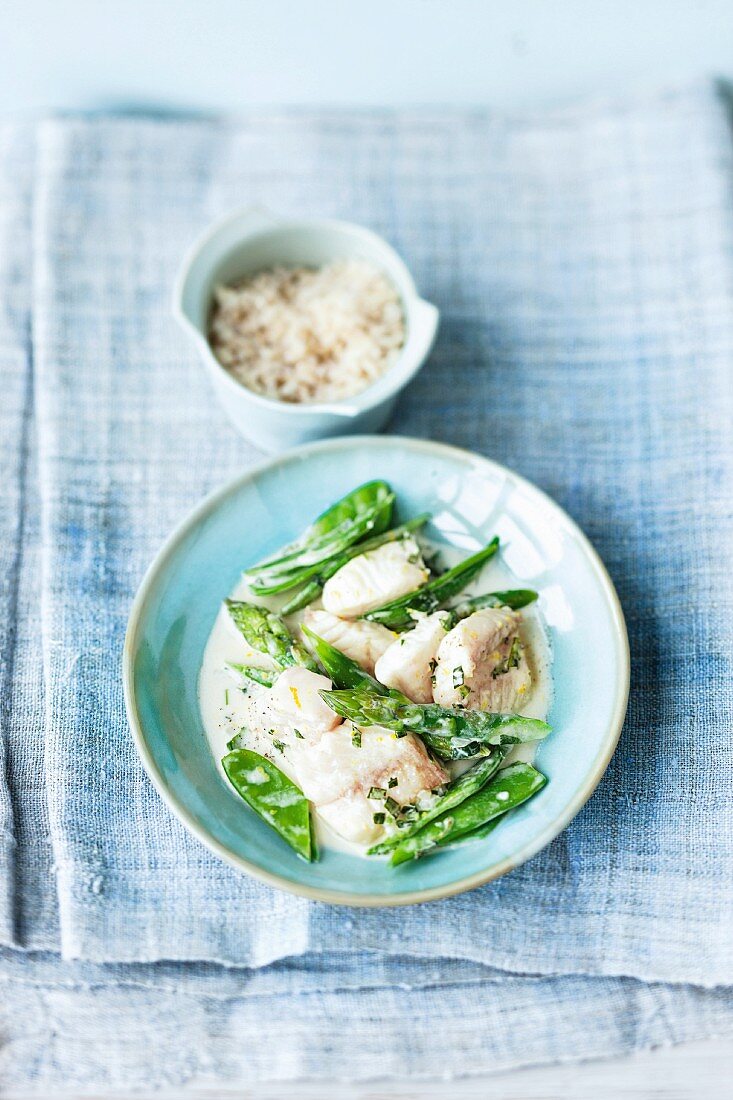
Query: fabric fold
[321, 1018]
[18, 516]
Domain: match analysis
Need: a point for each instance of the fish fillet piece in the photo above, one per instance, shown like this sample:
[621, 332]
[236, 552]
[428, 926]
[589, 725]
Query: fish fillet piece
[409, 662]
[481, 663]
[295, 699]
[362, 641]
[336, 775]
[375, 578]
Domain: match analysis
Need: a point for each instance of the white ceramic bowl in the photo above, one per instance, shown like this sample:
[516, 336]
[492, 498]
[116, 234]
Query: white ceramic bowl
[254, 239]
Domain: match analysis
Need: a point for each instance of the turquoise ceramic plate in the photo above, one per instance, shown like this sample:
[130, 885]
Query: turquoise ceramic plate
[470, 498]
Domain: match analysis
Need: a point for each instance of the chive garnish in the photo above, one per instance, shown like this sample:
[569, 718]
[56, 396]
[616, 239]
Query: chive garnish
[377, 792]
[356, 739]
[511, 660]
[393, 782]
[378, 819]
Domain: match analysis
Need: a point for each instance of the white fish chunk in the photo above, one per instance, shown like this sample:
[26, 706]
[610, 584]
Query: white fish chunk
[364, 642]
[295, 700]
[481, 663]
[375, 578]
[506, 691]
[276, 721]
[337, 775]
[409, 662]
[352, 817]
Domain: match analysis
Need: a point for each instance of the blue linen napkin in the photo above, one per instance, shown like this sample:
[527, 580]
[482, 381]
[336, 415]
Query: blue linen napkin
[515, 1020]
[81, 1027]
[28, 899]
[15, 386]
[582, 263]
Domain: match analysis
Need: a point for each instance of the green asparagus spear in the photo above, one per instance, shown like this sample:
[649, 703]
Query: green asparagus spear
[264, 676]
[273, 796]
[267, 633]
[452, 733]
[504, 792]
[434, 594]
[340, 669]
[515, 598]
[366, 510]
[470, 782]
[312, 588]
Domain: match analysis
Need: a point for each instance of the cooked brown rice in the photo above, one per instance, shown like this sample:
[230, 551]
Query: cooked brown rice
[304, 335]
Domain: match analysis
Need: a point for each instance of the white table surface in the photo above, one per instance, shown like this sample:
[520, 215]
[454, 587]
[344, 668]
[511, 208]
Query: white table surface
[686, 1072]
[227, 55]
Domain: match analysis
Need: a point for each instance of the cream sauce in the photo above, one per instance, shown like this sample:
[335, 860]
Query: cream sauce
[226, 707]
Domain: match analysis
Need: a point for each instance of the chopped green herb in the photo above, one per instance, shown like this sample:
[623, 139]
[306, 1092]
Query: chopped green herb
[356, 739]
[377, 792]
[279, 745]
[464, 691]
[458, 677]
[432, 664]
[298, 734]
[226, 698]
[236, 741]
[393, 806]
[512, 659]
[378, 819]
[393, 782]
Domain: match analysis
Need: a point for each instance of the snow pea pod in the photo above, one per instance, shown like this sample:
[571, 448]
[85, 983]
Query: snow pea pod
[515, 598]
[267, 633]
[366, 510]
[475, 834]
[470, 782]
[451, 732]
[313, 587]
[396, 615]
[510, 788]
[272, 796]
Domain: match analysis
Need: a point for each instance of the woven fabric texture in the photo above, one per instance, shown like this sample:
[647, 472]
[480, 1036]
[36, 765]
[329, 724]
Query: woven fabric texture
[583, 265]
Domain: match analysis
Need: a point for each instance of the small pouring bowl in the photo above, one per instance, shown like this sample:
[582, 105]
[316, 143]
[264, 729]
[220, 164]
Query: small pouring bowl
[254, 240]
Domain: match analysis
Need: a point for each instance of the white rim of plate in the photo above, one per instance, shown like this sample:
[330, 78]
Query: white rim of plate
[409, 897]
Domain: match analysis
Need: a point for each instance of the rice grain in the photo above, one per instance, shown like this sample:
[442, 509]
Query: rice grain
[304, 335]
